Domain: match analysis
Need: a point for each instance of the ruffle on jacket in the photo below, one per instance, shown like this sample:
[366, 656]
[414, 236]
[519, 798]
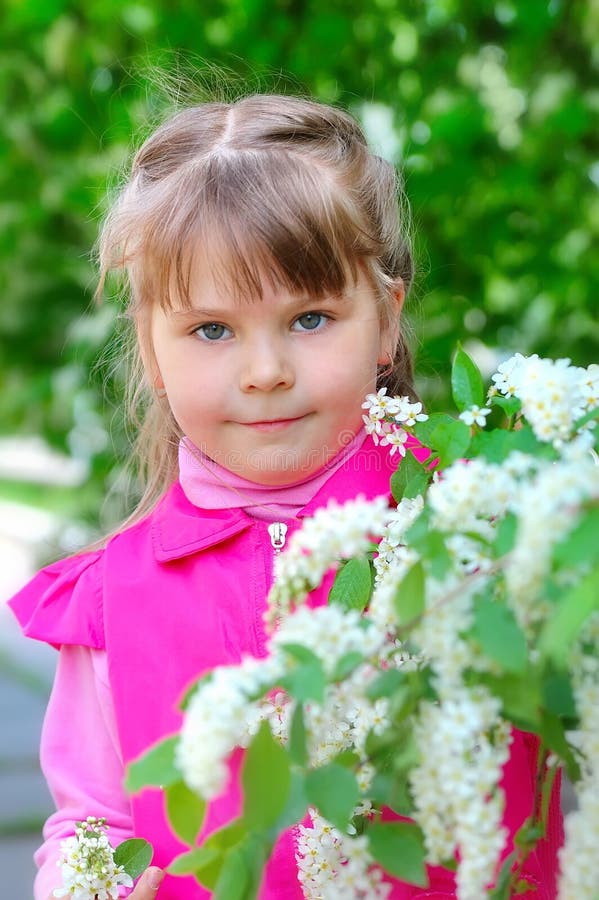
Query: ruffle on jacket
[62, 604]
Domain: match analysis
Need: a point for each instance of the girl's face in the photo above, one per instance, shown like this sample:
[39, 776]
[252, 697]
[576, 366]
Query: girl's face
[270, 389]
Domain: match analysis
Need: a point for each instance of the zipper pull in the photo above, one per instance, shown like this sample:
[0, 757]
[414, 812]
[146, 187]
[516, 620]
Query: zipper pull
[277, 532]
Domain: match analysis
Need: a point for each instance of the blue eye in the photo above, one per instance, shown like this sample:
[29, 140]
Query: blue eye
[310, 321]
[212, 331]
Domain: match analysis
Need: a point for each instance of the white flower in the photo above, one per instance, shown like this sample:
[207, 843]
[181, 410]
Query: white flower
[547, 506]
[579, 863]
[373, 427]
[409, 413]
[469, 495]
[554, 394]
[507, 376]
[332, 865]
[219, 717]
[332, 534]
[475, 415]
[396, 439]
[328, 631]
[458, 804]
[87, 864]
[379, 405]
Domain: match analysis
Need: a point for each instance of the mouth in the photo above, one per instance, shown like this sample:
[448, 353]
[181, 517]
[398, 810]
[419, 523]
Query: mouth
[272, 424]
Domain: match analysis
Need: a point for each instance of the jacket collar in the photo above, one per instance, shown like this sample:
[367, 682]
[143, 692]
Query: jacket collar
[179, 528]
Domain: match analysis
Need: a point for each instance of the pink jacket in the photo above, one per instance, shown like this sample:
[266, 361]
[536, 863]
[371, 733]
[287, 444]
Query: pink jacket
[183, 591]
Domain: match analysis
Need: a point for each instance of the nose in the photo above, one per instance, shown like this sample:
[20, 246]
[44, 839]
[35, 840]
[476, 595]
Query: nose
[266, 367]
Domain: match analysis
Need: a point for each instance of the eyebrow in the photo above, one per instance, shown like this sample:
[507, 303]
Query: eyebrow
[221, 312]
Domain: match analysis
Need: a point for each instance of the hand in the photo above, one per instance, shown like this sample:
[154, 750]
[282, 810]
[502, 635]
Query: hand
[148, 885]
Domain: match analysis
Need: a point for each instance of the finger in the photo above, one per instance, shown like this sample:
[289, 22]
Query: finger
[147, 886]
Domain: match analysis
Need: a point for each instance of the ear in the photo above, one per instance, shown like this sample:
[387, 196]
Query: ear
[390, 322]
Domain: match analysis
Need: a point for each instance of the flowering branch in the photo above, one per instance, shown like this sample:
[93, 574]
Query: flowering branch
[401, 694]
[92, 869]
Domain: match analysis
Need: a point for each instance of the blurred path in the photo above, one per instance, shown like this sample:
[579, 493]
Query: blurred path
[26, 671]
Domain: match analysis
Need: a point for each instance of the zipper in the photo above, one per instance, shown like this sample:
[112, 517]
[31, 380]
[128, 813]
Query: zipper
[278, 533]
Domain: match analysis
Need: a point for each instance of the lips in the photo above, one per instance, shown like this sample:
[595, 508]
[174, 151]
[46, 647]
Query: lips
[271, 424]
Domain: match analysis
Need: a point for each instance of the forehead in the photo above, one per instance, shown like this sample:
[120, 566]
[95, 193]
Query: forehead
[244, 270]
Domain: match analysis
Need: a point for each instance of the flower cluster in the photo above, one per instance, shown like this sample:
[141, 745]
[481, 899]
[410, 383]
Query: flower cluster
[547, 506]
[387, 418]
[334, 533]
[224, 712]
[579, 862]
[392, 562]
[484, 555]
[469, 495]
[87, 864]
[333, 865]
[463, 745]
[221, 715]
[554, 394]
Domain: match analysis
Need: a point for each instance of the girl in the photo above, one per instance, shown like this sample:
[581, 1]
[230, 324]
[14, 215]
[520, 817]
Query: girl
[266, 261]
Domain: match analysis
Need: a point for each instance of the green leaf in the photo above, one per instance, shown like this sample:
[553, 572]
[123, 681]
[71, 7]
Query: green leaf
[430, 544]
[234, 877]
[558, 695]
[553, 732]
[505, 537]
[385, 684]
[520, 696]
[408, 469]
[301, 653]
[588, 417]
[501, 891]
[409, 600]
[563, 627]
[399, 848]
[185, 810]
[466, 382]
[307, 681]
[134, 855]
[528, 835]
[495, 446]
[155, 768]
[447, 437]
[417, 485]
[580, 546]
[353, 584]
[215, 848]
[195, 861]
[497, 632]
[298, 750]
[349, 759]
[189, 692]
[346, 664]
[333, 790]
[266, 779]
[510, 405]
[297, 803]
[387, 790]
[227, 836]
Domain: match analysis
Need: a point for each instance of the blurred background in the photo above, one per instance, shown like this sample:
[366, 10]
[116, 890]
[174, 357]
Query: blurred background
[489, 108]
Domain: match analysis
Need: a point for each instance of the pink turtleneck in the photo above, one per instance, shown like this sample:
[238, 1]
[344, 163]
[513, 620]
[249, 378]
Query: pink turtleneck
[208, 485]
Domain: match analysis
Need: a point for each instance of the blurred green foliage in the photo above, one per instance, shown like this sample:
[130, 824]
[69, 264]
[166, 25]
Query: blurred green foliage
[488, 107]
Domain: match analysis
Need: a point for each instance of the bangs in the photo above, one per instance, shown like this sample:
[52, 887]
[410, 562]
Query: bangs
[256, 216]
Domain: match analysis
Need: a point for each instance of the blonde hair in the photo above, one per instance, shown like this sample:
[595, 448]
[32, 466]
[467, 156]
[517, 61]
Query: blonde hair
[267, 185]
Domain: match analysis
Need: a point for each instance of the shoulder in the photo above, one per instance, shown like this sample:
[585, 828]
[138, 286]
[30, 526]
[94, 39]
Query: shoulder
[62, 604]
